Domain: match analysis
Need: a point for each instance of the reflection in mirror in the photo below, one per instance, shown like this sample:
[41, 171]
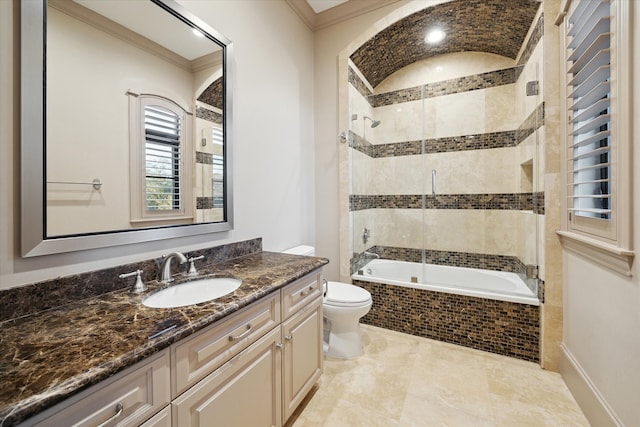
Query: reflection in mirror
[136, 124]
[98, 52]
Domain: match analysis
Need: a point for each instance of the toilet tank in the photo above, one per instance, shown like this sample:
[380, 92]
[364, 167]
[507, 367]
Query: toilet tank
[301, 250]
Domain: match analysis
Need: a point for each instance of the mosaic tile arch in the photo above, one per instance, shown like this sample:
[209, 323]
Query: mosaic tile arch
[493, 26]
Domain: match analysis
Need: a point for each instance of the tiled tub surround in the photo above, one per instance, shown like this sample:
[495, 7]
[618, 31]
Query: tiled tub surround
[52, 354]
[485, 179]
[506, 328]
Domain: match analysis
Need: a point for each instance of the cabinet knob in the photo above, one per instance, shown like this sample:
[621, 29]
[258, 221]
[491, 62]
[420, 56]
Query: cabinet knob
[306, 292]
[279, 345]
[288, 337]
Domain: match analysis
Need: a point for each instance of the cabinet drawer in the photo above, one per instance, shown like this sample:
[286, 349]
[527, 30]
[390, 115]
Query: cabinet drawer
[300, 293]
[127, 399]
[195, 357]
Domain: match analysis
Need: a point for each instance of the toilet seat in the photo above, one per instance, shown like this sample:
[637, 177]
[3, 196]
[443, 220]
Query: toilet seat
[345, 295]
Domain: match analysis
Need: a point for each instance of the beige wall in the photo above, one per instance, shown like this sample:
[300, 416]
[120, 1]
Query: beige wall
[273, 153]
[83, 60]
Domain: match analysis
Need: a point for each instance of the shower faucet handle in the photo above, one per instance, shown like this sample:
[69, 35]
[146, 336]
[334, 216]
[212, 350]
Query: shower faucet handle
[365, 235]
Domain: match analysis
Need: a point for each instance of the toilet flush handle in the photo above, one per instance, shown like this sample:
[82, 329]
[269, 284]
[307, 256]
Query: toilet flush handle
[326, 288]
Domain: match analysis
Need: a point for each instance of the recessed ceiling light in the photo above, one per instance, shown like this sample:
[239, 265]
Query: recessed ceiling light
[435, 36]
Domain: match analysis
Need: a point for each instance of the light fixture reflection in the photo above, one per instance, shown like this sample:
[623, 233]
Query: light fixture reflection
[435, 36]
[197, 32]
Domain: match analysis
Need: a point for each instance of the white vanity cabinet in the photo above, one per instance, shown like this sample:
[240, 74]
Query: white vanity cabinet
[126, 399]
[252, 368]
[263, 384]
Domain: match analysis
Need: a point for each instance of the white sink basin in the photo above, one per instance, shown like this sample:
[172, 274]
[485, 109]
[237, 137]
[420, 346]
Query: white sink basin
[193, 292]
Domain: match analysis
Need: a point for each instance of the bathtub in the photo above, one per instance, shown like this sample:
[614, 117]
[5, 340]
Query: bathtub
[496, 285]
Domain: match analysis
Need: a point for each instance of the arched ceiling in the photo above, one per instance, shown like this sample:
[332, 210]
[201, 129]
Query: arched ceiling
[494, 26]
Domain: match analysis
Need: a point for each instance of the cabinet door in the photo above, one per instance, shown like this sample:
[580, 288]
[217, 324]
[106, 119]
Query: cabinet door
[302, 355]
[161, 419]
[245, 391]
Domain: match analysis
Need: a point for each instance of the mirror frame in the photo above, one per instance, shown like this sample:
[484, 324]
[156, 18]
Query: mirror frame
[33, 138]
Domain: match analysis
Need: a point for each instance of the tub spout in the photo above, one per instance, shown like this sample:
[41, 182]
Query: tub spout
[371, 254]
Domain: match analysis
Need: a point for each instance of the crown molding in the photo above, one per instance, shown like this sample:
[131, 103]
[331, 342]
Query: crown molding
[342, 12]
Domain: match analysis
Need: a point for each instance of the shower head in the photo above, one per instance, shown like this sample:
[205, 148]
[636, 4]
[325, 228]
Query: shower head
[374, 123]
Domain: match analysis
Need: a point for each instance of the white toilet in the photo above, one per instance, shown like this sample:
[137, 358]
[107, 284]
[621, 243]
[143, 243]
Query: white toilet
[343, 307]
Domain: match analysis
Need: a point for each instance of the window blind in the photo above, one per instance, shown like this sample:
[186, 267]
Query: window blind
[162, 159]
[589, 101]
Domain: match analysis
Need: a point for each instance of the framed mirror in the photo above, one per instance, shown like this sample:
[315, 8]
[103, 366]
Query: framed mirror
[126, 122]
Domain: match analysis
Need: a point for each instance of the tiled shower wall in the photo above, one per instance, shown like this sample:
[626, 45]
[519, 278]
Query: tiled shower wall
[206, 118]
[469, 113]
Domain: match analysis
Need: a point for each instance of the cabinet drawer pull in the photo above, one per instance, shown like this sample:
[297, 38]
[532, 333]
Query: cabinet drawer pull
[242, 335]
[307, 292]
[119, 409]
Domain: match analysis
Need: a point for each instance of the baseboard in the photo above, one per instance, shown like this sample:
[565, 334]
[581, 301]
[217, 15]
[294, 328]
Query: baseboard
[593, 405]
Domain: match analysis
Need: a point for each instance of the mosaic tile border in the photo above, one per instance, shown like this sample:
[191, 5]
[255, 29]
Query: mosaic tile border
[359, 85]
[208, 115]
[497, 201]
[204, 203]
[482, 141]
[447, 87]
[25, 300]
[492, 262]
[499, 327]
[532, 42]
[204, 158]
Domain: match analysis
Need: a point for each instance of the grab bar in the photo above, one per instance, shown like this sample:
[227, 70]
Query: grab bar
[433, 182]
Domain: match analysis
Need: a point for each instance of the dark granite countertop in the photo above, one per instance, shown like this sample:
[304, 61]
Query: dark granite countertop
[49, 356]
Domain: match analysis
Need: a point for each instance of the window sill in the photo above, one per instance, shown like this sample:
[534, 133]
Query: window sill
[617, 259]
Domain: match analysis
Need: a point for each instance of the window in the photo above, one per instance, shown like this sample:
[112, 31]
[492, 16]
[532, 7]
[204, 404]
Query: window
[160, 147]
[596, 36]
[162, 159]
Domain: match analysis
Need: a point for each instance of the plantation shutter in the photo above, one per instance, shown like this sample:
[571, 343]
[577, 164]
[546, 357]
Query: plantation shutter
[162, 158]
[589, 102]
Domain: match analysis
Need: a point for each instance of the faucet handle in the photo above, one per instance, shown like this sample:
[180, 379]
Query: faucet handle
[192, 267]
[139, 285]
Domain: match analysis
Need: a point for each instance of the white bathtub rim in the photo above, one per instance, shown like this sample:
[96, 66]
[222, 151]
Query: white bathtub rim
[520, 299]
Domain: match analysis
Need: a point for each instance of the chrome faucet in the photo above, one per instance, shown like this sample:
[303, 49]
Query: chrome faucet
[371, 254]
[166, 265]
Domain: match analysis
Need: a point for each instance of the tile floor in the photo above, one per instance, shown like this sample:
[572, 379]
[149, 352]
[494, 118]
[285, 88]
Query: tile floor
[403, 380]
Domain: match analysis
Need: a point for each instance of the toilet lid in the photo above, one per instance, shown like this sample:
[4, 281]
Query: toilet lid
[341, 293]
